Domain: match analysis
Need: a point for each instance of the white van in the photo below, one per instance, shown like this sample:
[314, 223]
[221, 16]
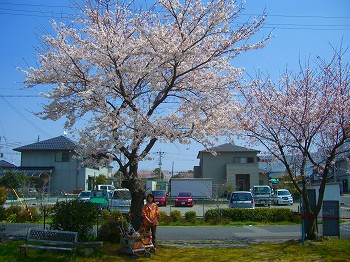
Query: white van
[120, 200]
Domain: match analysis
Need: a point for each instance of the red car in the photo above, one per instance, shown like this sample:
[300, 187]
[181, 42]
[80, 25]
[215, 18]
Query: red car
[160, 197]
[184, 199]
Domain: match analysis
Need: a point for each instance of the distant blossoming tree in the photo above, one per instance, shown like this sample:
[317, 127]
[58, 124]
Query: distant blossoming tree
[144, 75]
[302, 120]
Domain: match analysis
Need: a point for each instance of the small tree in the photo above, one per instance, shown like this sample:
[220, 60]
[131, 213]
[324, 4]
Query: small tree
[75, 216]
[11, 180]
[303, 120]
[158, 173]
[101, 180]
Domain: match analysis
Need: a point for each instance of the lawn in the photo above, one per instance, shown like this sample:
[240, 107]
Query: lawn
[325, 250]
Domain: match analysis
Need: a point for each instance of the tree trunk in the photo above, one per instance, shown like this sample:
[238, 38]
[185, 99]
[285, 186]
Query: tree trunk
[311, 228]
[137, 196]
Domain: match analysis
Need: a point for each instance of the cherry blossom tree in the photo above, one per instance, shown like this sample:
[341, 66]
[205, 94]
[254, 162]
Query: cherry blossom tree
[302, 120]
[144, 75]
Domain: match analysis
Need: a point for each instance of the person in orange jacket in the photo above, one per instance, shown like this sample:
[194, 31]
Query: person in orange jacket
[150, 214]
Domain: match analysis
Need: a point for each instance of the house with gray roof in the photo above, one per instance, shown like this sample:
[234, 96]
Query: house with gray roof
[230, 164]
[56, 160]
[6, 166]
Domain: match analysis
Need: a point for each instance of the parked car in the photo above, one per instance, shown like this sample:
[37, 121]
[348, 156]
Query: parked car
[160, 197]
[84, 195]
[184, 199]
[120, 200]
[100, 199]
[262, 195]
[241, 199]
[282, 197]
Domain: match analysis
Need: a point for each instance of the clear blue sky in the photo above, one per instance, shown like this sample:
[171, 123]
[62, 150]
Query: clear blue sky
[302, 29]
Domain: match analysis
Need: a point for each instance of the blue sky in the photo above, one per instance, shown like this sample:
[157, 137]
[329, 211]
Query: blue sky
[302, 30]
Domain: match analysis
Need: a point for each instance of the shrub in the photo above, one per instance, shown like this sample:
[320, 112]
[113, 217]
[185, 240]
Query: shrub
[2, 214]
[12, 218]
[110, 230]
[191, 216]
[105, 213]
[175, 215]
[164, 218]
[211, 214]
[13, 210]
[48, 211]
[255, 215]
[75, 216]
[30, 214]
[3, 195]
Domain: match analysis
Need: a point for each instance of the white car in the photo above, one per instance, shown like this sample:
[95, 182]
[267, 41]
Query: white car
[282, 197]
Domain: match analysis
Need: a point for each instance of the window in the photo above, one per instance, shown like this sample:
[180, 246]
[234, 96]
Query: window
[243, 160]
[62, 157]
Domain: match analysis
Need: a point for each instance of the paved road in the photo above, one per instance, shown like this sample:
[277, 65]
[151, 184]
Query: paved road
[214, 233]
[229, 233]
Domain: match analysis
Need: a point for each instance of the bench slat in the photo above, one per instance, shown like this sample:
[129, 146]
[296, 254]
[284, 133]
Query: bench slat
[47, 247]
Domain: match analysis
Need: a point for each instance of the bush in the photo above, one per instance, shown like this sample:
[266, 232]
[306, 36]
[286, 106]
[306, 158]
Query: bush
[75, 216]
[3, 195]
[109, 230]
[191, 216]
[105, 213]
[30, 214]
[164, 218]
[12, 210]
[175, 215]
[48, 211]
[2, 214]
[254, 215]
[18, 214]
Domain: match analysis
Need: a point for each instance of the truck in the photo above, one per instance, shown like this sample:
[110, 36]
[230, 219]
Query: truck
[262, 195]
[201, 188]
[150, 185]
[100, 199]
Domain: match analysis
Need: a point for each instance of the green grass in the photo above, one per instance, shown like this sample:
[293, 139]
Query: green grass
[325, 250]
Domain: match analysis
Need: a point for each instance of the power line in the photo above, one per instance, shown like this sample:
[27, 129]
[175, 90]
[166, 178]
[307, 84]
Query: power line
[36, 5]
[23, 117]
[300, 16]
[243, 14]
[2, 96]
[52, 14]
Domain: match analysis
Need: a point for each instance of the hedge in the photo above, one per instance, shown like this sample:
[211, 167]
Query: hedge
[255, 215]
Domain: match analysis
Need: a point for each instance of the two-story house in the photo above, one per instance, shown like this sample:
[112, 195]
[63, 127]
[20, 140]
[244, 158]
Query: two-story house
[341, 173]
[55, 160]
[231, 165]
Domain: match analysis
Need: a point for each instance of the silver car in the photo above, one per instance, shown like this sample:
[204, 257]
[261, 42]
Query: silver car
[282, 197]
[84, 196]
[120, 200]
[241, 199]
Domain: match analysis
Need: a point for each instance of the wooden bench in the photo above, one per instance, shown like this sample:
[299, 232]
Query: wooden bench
[54, 240]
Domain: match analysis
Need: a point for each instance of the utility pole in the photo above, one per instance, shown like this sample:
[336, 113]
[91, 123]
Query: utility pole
[160, 163]
[1, 154]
